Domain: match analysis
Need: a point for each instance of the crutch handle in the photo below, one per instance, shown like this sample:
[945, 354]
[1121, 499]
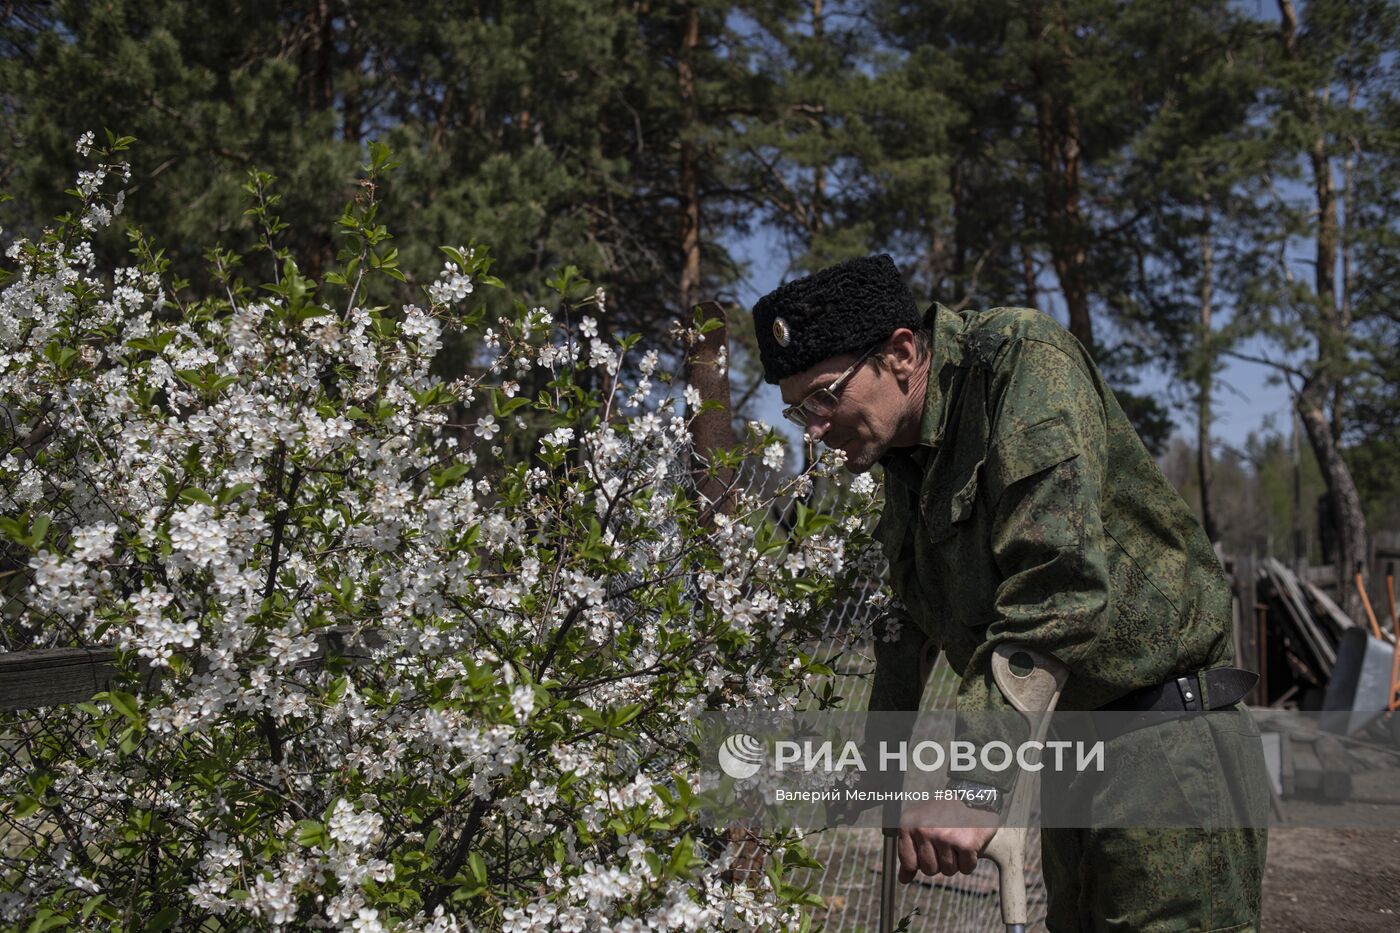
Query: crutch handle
[1031, 681]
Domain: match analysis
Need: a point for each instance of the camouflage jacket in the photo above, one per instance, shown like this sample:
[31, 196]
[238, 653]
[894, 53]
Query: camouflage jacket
[1031, 511]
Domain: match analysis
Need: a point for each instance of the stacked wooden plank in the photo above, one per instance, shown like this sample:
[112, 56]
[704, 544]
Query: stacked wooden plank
[1312, 638]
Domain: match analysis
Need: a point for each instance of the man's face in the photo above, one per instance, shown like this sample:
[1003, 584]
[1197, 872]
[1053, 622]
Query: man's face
[867, 416]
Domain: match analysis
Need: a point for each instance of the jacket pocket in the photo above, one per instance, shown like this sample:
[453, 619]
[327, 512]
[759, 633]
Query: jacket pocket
[944, 508]
[1028, 452]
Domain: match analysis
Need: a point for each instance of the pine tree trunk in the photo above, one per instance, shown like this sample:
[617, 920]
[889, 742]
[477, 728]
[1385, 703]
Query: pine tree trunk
[1205, 378]
[320, 49]
[1341, 489]
[818, 207]
[1057, 132]
[1028, 277]
[706, 359]
[1322, 389]
[689, 175]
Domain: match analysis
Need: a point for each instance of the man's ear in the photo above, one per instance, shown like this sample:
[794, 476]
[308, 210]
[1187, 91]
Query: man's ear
[902, 352]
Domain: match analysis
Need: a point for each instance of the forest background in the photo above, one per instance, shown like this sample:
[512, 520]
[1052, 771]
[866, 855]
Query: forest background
[1189, 186]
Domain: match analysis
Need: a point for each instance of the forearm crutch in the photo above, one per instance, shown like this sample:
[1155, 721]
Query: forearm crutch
[1031, 681]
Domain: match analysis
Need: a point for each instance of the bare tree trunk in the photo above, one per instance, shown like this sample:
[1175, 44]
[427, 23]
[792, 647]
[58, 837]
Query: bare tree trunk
[817, 210]
[711, 431]
[1205, 377]
[319, 50]
[706, 359]
[1344, 247]
[818, 207]
[1325, 281]
[1288, 26]
[1323, 387]
[1028, 282]
[1057, 129]
[316, 36]
[1341, 489]
[689, 171]
[1300, 545]
[959, 267]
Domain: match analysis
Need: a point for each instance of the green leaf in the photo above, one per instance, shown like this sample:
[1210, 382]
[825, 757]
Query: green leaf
[124, 703]
[229, 493]
[682, 856]
[337, 689]
[91, 904]
[478, 867]
[163, 920]
[13, 529]
[37, 530]
[511, 406]
[379, 157]
[564, 279]
[46, 919]
[192, 494]
[448, 476]
[624, 715]
[311, 834]
[192, 377]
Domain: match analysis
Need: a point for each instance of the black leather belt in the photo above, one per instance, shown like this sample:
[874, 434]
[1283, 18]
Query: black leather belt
[1171, 699]
[1223, 687]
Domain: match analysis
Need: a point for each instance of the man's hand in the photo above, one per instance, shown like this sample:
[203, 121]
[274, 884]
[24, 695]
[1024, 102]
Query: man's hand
[942, 837]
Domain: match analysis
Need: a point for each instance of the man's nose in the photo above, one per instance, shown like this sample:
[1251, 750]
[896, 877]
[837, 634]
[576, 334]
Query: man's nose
[817, 428]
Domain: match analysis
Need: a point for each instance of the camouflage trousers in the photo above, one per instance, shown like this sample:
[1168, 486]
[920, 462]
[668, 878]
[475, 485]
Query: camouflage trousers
[1201, 874]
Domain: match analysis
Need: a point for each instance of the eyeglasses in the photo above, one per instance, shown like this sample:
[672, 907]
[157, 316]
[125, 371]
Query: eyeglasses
[821, 403]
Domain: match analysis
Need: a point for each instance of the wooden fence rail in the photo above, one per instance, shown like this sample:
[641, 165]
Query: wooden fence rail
[54, 676]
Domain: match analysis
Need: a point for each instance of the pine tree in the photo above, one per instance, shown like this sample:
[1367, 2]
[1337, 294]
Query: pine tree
[1332, 74]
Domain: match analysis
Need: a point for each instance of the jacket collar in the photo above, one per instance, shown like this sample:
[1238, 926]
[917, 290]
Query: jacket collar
[947, 350]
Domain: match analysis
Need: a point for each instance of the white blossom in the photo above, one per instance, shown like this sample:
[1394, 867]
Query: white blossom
[452, 286]
[774, 455]
[487, 427]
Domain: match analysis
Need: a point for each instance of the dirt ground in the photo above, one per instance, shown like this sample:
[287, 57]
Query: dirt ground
[1326, 880]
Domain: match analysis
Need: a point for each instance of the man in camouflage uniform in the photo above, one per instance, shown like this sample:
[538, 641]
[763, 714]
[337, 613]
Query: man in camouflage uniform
[1021, 506]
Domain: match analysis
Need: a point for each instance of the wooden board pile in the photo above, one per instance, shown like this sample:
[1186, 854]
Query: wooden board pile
[1310, 623]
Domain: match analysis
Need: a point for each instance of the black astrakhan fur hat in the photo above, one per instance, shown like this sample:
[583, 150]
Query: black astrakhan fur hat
[844, 308]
